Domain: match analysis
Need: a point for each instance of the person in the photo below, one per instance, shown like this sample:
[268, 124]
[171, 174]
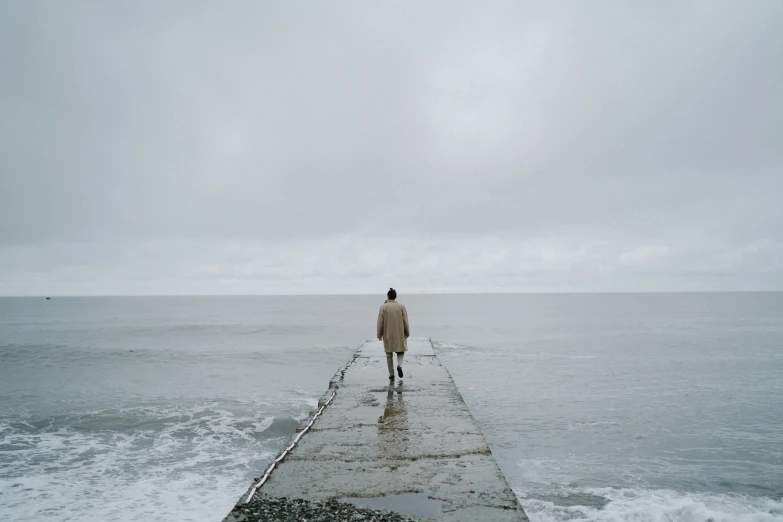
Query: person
[393, 330]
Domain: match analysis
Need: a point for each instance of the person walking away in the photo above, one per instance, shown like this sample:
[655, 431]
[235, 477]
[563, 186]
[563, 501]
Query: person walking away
[393, 330]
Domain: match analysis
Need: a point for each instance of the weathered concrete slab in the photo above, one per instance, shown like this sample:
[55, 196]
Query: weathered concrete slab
[409, 446]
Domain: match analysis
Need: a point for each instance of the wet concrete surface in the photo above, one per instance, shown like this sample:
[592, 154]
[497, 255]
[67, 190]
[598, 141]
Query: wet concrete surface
[409, 446]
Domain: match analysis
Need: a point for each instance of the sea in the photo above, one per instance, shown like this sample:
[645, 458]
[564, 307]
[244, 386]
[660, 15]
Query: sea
[597, 407]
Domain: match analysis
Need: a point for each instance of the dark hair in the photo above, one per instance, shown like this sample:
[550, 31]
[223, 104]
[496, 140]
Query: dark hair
[392, 293]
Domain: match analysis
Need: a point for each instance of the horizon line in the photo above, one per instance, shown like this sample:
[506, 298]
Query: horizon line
[571, 292]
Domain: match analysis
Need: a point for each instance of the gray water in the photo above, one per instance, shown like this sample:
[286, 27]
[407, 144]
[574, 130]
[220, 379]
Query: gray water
[625, 407]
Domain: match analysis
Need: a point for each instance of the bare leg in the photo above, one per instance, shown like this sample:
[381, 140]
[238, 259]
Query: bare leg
[400, 355]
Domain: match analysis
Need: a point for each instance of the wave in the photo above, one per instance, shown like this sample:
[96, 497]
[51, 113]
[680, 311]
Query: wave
[138, 353]
[449, 346]
[139, 463]
[281, 427]
[635, 505]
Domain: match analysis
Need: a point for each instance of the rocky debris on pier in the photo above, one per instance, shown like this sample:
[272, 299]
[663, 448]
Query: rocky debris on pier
[282, 509]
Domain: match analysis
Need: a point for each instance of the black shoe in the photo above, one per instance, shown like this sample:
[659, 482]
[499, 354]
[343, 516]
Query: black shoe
[399, 371]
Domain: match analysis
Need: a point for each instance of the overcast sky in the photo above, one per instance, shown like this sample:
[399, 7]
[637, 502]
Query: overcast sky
[166, 147]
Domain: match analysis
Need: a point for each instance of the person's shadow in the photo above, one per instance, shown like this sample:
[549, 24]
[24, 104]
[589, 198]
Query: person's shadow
[393, 425]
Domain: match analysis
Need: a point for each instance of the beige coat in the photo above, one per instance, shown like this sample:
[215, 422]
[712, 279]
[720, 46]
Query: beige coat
[393, 326]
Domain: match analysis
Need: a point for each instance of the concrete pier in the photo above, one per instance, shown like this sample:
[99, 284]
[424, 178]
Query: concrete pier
[409, 446]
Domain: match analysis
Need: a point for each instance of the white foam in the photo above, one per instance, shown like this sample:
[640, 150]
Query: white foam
[188, 464]
[631, 505]
[448, 346]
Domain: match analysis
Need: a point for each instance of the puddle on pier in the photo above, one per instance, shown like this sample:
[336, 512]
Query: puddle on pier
[415, 504]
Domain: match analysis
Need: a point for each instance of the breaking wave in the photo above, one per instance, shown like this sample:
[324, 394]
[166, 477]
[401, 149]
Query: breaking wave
[634, 505]
[141, 463]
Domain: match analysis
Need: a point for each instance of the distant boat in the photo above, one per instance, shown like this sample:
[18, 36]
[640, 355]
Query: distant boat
[48, 298]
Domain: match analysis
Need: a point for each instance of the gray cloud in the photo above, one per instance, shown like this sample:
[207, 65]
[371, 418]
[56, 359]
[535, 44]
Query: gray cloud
[452, 146]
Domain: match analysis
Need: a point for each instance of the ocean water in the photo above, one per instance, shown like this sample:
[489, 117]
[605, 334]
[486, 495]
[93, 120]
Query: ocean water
[610, 407]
